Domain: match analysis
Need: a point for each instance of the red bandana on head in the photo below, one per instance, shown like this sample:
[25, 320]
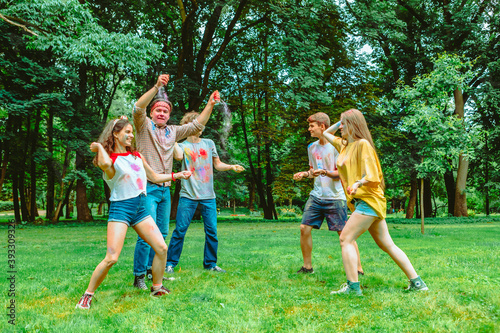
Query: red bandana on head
[161, 103]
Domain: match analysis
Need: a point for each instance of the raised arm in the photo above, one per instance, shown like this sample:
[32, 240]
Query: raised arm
[161, 178]
[221, 166]
[103, 160]
[207, 111]
[143, 102]
[178, 152]
[330, 131]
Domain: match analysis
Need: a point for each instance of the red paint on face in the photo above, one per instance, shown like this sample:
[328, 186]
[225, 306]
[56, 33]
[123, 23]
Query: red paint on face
[160, 115]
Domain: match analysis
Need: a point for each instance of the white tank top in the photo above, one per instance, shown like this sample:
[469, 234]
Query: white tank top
[130, 176]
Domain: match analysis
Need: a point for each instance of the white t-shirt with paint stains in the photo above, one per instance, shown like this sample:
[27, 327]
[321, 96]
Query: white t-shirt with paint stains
[198, 158]
[130, 178]
[325, 157]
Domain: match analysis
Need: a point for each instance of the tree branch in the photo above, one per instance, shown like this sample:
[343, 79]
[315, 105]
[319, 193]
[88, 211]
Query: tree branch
[23, 26]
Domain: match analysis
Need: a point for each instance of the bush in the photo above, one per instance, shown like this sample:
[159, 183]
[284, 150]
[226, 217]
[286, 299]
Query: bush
[285, 211]
[6, 205]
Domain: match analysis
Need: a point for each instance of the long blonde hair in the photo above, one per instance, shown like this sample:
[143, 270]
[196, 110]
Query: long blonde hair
[355, 125]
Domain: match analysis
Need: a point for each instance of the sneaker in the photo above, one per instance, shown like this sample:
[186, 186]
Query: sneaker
[139, 282]
[417, 284]
[169, 269]
[160, 292]
[349, 288]
[305, 270]
[84, 302]
[217, 269]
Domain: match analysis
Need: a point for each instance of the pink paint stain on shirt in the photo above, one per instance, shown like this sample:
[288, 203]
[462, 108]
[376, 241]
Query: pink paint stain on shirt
[135, 167]
[203, 154]
[140, 185]
[193, 156]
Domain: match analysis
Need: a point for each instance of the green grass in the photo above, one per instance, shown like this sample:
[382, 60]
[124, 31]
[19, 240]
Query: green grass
[261, 292]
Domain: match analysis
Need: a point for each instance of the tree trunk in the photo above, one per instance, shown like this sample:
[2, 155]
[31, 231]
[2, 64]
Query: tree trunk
[449, 182]
[34, 143]
[50, 195]
[460, 208]
[62, 202]
[82, 208]
[460, 195]
[410, 211]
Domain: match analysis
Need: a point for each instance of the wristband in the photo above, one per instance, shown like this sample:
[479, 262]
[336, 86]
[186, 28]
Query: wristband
[173, 179]
[359, 182]
[156, 87]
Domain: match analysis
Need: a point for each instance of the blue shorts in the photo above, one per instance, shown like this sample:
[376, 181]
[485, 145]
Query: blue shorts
[361, 207]
[316, 210]
[129, 211]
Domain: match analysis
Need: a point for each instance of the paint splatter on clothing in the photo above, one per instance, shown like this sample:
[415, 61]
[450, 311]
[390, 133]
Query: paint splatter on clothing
[130, 179]
[198, 158]
[325, 157]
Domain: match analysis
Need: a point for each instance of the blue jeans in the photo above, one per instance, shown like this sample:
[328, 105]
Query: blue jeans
[185, 212]
[158, 206]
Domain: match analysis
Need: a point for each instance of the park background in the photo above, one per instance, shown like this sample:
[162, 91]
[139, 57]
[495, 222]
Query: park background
[424, 73]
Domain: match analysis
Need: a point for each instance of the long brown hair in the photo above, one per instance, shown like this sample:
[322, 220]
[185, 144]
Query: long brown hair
[107, 139]
[355, 125]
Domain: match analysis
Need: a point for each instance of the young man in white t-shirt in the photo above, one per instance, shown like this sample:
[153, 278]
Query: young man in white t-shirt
[327, 199]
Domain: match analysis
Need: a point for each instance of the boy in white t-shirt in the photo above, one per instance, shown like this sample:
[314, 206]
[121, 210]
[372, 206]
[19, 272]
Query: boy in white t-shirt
[327, 199]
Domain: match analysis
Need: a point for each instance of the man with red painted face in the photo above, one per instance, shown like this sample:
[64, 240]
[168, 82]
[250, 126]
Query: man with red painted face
[155, 141]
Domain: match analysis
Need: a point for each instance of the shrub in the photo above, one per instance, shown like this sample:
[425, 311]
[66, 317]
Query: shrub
[6, 205]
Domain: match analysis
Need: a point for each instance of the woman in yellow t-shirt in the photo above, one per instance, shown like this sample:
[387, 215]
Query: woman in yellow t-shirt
[363, 182]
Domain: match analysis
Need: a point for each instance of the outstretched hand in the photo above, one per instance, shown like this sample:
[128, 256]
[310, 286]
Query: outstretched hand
[94, 147]
[162, 80]
[182, 175]
[237, 168]
[300, 175]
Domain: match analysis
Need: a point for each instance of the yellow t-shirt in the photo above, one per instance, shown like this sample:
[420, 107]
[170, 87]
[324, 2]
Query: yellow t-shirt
[358, 160]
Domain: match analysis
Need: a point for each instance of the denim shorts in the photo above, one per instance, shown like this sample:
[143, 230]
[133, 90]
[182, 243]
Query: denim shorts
[361, 207]
[129, 211]
[316, 210]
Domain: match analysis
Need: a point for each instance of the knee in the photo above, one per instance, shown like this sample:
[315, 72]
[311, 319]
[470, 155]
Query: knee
[344, 240]
[110, 260]
[305, 230]
[162, 250]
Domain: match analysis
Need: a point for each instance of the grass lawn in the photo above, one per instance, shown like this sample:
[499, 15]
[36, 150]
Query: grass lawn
[260, 292]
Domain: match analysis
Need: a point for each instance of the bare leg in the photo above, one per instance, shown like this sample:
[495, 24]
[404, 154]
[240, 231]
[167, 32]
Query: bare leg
[360, 269]
[380, 234]
[355, 227]
[149, 232]
[115, 238]
[306, 244]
